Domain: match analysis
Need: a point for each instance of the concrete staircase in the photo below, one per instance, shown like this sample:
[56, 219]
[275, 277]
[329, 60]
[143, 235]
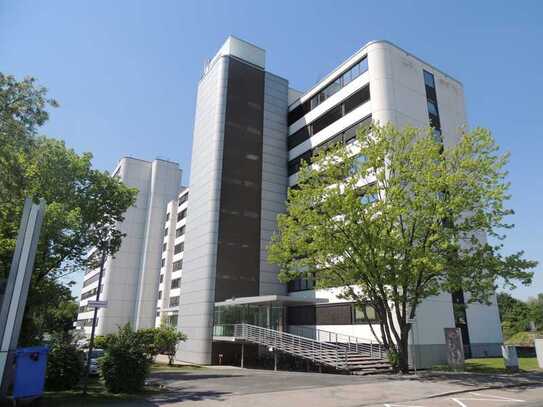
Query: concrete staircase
[347, 357]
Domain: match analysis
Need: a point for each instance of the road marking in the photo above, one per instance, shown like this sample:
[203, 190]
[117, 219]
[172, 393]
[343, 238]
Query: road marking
[458, 402]
[485, 397]
[478, 397]
[399, 405]
[499, 397]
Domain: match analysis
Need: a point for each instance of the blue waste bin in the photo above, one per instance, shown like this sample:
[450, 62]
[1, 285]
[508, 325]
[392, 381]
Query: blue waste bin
[30, 364]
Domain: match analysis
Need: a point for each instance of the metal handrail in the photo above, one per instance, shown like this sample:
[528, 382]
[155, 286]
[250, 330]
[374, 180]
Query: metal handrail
[316, 351]
[369, 347]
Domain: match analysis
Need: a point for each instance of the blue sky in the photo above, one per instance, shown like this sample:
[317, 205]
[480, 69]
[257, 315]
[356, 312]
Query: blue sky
[125, 72]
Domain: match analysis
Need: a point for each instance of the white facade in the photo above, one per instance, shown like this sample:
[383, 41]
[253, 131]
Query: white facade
[197, 288]
[167, 305]
[130, 280]
[399, 96]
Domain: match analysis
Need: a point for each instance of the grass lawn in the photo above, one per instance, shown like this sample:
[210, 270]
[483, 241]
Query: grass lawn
[96, 396]
[492, 365]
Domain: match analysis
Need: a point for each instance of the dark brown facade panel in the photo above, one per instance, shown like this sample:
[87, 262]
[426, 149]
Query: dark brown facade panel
[238, 254]
[323, 314]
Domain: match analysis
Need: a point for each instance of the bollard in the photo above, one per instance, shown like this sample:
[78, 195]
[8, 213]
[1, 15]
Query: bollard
[539, 351]
[510, 358]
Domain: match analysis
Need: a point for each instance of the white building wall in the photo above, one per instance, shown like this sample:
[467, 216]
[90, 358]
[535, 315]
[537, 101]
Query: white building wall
[198, 282]
[124, 271]
[164, 184]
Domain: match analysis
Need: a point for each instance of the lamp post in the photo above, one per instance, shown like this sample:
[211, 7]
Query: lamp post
[93, 329]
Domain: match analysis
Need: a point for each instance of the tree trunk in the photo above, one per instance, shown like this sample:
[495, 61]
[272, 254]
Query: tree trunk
[403, 351]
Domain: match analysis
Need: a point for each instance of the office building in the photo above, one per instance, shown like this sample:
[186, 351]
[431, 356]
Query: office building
[251, 133]
[130, 281]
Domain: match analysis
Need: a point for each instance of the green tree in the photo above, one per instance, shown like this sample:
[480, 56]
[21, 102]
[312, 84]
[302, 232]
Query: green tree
[84, 205]
[161, 341]
[166, 340]
[404, 235]
[50, 309]
[514, 315]
[536, 311]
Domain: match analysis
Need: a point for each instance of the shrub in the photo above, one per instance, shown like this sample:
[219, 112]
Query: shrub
[522, 339]
[64, 365]
[125, 364]
[101, 341]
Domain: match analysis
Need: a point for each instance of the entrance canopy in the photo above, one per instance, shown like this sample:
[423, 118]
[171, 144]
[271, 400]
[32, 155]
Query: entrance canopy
[267, 299]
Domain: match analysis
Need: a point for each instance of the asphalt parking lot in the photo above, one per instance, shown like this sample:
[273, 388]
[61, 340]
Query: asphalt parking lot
[260, 388]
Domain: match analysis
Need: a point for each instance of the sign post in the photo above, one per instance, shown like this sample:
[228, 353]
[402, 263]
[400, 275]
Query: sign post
[97, 304]
[15, 290]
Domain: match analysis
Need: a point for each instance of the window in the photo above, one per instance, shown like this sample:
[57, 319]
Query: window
[345, 136]
[179, 248]
[357, 99]
[167, 216]
[327, 119]
[160, 295]
[91, 293]
[437, 136]
[360, 318]
[183, 198]
[352, 102]
[343, 80]
[172, 320]
[177, 265]
[166, 232]
[91, 280]
[180, 231]
[299, 137]
[298, 112]
[431, 102]
[332, 88]
[174, 301]
[162, 262]
[181, 215]
[367, 198]
[164, 246]
[175, 283]
[161, 278]
[432, 108]
[301, 284]
[358, 161]
[429, 79]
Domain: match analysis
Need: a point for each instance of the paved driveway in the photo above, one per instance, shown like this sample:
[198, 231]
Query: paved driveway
[258, 388]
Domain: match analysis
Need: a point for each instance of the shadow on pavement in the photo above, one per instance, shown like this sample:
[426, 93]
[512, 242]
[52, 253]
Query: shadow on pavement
[189, 376]
[180, 395]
